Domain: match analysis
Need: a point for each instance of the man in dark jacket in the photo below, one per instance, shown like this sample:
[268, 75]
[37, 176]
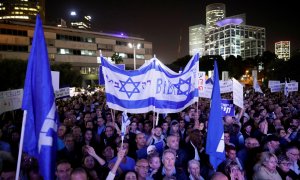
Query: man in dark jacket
[168, 169]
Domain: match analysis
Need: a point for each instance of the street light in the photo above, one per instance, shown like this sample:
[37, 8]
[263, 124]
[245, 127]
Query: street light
[134, 46]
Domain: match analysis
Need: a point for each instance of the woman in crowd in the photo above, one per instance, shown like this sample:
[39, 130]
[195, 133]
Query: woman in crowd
[266, 167]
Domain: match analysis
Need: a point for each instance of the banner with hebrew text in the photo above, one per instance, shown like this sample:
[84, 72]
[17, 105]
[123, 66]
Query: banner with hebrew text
[151, 87]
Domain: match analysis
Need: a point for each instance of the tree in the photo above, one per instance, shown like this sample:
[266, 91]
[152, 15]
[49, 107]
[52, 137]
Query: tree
[12, 74]
[292, 67]
[67, 76]
[234, 65]
[206, 63]
[180, 63]
[116, 58]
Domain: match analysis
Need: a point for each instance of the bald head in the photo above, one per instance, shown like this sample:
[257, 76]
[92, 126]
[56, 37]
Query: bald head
[219, 176]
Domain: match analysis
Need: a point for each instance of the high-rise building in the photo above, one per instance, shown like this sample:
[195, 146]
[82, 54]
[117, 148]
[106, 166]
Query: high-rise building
[197, 39]
[22, 10]
[282, 50]
[232, 38]
[227, 36]
[214, 13]
[79, 21]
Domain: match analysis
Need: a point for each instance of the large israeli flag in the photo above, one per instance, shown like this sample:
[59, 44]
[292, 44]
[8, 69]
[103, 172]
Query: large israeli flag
[152, 86]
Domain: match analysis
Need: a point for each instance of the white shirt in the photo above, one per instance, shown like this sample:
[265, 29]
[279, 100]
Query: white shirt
[294, 167]
[197, 157]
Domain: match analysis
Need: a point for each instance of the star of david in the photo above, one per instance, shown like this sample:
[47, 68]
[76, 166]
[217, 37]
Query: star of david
[129, 87]
[181, 83]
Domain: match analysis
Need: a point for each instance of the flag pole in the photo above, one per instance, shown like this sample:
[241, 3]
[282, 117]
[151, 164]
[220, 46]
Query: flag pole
[113, 117]
[157, 118]
[198, 109]
[153, 120]
[21, 145]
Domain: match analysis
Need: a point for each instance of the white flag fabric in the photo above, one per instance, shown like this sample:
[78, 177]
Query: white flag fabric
[125, 123]
[286, 89]
[152, 86]
[256, 86]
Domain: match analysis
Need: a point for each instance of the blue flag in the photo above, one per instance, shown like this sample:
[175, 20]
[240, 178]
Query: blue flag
[39, 102]
[215, 146]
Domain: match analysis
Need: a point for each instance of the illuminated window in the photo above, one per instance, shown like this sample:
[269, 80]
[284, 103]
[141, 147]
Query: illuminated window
[140, 56]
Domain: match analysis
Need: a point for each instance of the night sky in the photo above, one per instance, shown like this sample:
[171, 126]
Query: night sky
[163, 22]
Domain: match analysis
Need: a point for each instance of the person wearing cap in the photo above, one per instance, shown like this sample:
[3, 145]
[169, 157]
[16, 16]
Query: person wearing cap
[262, 130]
[247, 129]
[271, 144]
[236, 137]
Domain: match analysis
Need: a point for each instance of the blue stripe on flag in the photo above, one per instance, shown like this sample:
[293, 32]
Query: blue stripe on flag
[136, 104]
[152, 86]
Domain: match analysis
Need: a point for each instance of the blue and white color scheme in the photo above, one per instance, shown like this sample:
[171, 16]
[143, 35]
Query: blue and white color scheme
[215, 145]
[227, 107]
[101, 77]
[39, 102]
[125, 123]
[286, 89]
[151, 87]
[256, 86]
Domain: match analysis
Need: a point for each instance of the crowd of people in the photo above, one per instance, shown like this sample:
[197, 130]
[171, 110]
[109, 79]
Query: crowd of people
[261, 142]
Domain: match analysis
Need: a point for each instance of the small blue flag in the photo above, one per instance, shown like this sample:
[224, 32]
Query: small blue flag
[215, 146]
[39, 102]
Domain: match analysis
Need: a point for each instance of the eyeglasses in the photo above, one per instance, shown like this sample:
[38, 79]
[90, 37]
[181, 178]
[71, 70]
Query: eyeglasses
[143, 167]
[273, 162]
[286, 164]
[294, 154]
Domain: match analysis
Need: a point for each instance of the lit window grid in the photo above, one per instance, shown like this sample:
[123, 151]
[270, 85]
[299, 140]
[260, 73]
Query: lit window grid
[249, 42]
[282, 49]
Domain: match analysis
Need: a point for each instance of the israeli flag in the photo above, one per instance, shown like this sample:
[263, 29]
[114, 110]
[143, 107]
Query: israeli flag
[152, 86]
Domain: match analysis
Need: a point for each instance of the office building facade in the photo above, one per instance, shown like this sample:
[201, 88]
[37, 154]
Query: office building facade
[197, 39]
[282, 50]
[22, 10]
[79, 20]
[227, 36]
[79, 47]
[214, 13]
[236, 39]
